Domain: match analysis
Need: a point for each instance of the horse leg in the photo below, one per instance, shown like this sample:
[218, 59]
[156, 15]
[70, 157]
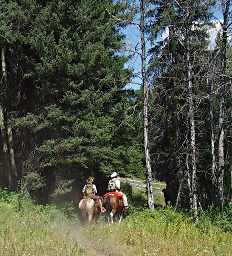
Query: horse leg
[120, 218]
[83, 216]
[111, 217]
[90, 217]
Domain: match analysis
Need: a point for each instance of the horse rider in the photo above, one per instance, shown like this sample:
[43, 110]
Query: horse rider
[90, 191]
[115, 185]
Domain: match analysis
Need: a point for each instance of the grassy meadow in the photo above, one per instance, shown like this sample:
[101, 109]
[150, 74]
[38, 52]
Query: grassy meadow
[162, 233]
[27, 229]
[30, 230]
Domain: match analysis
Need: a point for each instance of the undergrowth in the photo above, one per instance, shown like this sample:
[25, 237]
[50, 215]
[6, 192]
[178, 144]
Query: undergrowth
[165, 232]
[29, 229]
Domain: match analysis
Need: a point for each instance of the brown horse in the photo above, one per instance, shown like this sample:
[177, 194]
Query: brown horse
[114, 207]
[90, 209]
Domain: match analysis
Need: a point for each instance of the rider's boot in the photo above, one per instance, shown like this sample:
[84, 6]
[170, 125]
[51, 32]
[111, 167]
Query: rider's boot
[125, 202]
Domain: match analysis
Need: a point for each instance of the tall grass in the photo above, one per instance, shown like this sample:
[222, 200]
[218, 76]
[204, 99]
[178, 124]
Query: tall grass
[30, 230]
[164, 233]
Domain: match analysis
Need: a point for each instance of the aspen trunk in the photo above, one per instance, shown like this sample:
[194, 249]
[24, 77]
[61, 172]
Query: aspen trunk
[213, 151]
[188, 176]
[213, 141]
[192, 136]
[150, 196]
[221, 157]
[179, 193]
[5, 163]
[4, 169]
[7, 133]
[11, 155]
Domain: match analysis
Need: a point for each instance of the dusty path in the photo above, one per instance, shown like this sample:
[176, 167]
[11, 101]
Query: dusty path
[98, 246]
[92, 247]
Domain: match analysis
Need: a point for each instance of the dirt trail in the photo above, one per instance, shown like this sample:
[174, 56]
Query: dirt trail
[91, 247]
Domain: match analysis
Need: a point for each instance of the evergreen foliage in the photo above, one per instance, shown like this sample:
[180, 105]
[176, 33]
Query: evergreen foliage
[177, 27]
[71, 114]
[65, 113]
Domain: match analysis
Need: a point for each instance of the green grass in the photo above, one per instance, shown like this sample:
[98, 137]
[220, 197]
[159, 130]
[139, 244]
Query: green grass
[164, 232]
[30, 230]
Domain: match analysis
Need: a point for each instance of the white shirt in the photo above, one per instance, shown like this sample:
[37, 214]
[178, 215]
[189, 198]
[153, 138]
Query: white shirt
[94, 189]
[117, 183]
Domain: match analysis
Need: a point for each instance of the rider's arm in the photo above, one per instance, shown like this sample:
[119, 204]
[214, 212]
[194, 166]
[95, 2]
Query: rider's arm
[117, 184]
[83, 190]
[94, 189]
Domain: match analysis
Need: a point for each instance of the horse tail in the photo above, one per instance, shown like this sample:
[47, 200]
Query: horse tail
[113, 202]
[81, 204]
[105, 203]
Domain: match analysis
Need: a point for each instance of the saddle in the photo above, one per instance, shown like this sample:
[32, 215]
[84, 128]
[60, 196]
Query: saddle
[117, 194]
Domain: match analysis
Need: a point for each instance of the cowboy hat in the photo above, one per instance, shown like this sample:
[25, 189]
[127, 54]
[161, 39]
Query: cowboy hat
[90, 179]
[113, 175]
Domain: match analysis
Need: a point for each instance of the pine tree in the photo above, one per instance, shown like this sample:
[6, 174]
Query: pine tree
[79, 116]
[15, 18]
[178, 68]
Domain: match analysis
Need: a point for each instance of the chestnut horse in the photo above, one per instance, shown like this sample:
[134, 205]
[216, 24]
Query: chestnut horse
[90, 209]
[114, 207]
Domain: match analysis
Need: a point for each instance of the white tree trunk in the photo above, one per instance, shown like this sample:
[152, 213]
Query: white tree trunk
[221, 157]
[11, 154]
[213, 138]
[150, 196]
[7, 133]
[4, 170]
[192, 136]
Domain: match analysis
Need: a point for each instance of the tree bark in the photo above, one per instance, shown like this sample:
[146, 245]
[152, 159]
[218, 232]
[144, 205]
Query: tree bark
[192, 134]
[150, 196]
[213, 151]
[179, 193]
[188, 176]
[7, 133]
[213, 141]
[4, 169]
[221, 157]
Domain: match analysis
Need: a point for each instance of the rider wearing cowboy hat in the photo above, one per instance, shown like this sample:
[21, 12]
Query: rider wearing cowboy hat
[90, 191]
[115, 185]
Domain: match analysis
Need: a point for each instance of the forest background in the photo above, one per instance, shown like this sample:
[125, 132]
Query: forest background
[66, 110]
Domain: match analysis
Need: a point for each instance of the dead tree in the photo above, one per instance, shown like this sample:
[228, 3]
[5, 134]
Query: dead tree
[150, 196]
[221, 136]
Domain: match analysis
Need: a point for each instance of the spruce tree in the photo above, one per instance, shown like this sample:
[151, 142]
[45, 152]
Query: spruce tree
[80, 116]
[178, 87]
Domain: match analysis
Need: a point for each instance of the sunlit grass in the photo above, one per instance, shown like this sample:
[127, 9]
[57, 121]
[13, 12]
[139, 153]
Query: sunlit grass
[162, 233]
[33, 230]
[28, 229]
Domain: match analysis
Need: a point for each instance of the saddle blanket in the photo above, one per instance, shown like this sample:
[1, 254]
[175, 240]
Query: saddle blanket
[118, 194]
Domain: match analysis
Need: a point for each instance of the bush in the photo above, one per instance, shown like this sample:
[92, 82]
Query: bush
[216, 217]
